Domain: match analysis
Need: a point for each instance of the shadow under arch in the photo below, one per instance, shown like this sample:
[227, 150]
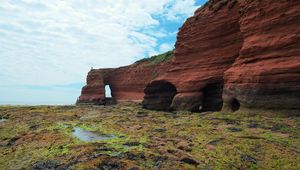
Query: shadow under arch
[159, 95]
[212, 97]
[234, 104]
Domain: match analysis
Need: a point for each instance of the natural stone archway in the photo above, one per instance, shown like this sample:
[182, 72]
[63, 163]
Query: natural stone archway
[159, 95]
[212, 97]
[109, 95]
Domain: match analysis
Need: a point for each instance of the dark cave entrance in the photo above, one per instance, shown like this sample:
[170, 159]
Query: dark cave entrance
[159, 95]
[234, 104]
[212, 97]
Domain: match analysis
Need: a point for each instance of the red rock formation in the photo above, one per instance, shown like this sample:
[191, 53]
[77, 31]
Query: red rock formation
[126, 83]
[207, 45]
[231, 54]
[267, 72]
[159, 95]
[94, 92]
[256, 44]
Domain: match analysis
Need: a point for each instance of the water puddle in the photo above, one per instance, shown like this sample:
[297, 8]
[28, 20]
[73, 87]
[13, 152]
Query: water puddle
[3, 120]
[86, 135]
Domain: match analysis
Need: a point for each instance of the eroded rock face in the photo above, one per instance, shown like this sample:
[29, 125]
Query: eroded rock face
[207, 45]
[267, 72]
[94, 92]
[249, 47]
[231, 54]
[159, 95]
[126, 83]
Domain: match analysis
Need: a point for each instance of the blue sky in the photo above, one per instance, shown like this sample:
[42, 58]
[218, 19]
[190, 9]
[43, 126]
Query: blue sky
[48, 46]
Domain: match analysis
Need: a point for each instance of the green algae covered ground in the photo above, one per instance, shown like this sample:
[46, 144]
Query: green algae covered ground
[42, 137]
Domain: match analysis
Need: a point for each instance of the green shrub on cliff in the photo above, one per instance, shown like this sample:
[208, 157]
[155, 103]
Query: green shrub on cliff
[156, 59]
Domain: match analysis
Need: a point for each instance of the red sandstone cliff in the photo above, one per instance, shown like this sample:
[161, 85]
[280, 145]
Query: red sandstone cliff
[267, 72]
[254, 42]
[207, 45]
[94, 92]
[126, 83]
[230, 54]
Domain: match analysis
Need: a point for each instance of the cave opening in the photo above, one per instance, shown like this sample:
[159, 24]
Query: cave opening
[109, 97]
[212, 97]
[234, 104]
[159, 95]
[107, 91]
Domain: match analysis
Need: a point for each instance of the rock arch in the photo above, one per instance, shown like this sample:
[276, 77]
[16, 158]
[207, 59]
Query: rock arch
[109, 93]
[212, 97]
[159, 95]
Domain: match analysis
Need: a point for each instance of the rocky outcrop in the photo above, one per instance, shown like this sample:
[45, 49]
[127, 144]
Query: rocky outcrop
[159, 95]
[231, 55]
[207, 45]
[126, 83]
[94, 92]
[267, 72]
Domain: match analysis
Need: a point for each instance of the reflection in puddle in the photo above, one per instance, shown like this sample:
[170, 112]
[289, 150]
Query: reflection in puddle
[86, 135]
[3, 120]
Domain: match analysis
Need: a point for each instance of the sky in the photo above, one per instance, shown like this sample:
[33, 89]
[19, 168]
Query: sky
[47, 47]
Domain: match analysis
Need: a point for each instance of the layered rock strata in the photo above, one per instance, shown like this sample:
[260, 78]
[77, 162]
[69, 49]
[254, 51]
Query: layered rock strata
[267, 72]
[231, 54]
[126, 83]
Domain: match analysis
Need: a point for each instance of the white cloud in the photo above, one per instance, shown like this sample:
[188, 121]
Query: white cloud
[165, 47]
[54, 42]
[179, 9]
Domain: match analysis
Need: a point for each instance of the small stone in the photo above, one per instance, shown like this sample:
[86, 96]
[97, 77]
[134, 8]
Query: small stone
[171, 151]
[103, 148]
[248, 158]
[110, 164]
[279, 126]
[132, 156]
[235, 129]
[160, 130]
[253, 125]
[45, 165]
[183, 146]
[158, 161]
[132, 143]
[215, 141]
[12, 141]
[136, 127]
[141, 114]
[34, 127]
[4, 116]
[232, 122]
[189, 161]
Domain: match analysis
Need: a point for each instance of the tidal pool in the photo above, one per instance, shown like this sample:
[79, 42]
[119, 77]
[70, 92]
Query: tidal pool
[86, 135]
[3, 120]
